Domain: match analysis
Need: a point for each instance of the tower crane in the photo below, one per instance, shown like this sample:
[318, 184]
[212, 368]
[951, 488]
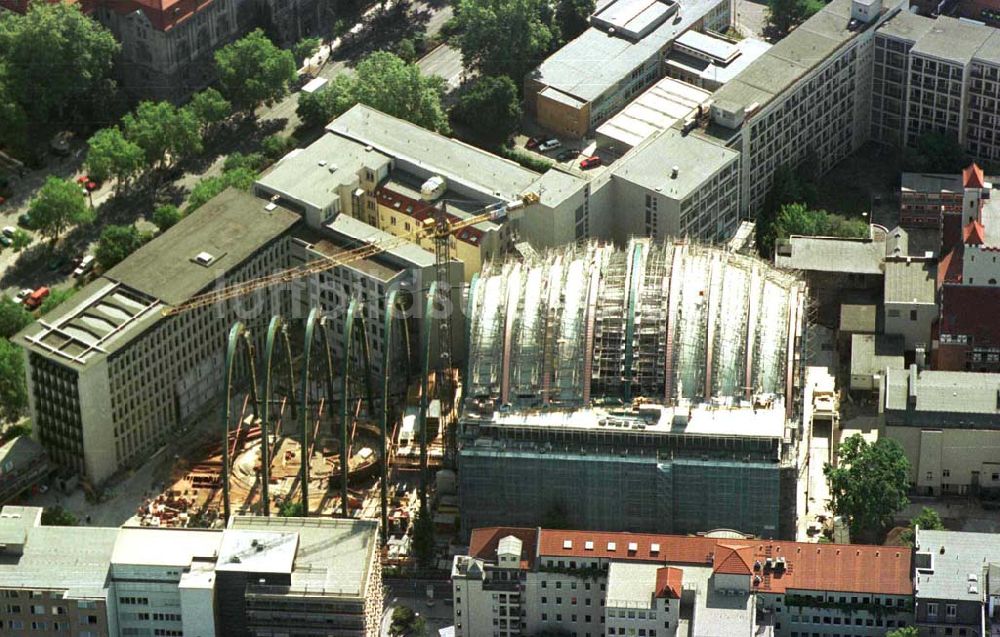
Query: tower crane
[433, 228]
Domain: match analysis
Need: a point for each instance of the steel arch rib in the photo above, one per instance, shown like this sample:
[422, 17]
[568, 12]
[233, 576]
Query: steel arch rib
[353, 317]
[390, 308]
[237, 334]
[276, 331]
[311, 321]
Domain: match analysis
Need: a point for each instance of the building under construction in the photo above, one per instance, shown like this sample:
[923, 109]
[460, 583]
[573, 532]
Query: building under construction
[648, 389]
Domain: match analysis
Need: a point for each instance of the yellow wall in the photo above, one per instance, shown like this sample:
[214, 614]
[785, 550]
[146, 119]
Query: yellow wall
[399, 223]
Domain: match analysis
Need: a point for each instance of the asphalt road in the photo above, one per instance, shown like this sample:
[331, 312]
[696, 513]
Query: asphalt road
[445, 62]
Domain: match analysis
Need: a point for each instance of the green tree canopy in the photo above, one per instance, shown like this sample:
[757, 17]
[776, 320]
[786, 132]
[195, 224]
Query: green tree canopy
[13, 391]
[423, 539]
[20, 240]
[936, 153]
[13, 317]
[253, 71]
[116, 243]
[59, 204]
[57, 516]
[305, 48]
[59, 62]
[505, 37]
[796, 218]
[491, 107]
[55, 299]
[788, 185]
[782, 16]
[110, 155]
[407, 623]
[210, 108]
[163, 132]
[209, 187]
[928, 520]
[291, 509]
[905, 631]
[384, 82]
[868, 485]
[573, 17]
[166, 216]
[13, 118]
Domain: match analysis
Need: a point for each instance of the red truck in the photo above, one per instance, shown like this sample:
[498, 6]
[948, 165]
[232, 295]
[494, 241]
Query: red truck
[35, 298]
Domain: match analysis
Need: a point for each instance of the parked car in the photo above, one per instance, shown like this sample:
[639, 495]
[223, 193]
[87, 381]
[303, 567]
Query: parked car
[23, 294]
[36, 297]
[86, 265]
[590, 162]
[25, 221]
[5, 241]
[532, 143]
[8, 231]
[568, 154]
[550, 144]
[70, 265]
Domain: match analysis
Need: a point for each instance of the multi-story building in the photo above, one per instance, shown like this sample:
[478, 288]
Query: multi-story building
[530, 581]
[629, 379]
[258, 577]
[806, 98]
[951, 579]
[571, 95]
[110, 378]
[709, 61]
[910, 300]
[947, 424]
[937, 75]
[54, 579]
[925, 199]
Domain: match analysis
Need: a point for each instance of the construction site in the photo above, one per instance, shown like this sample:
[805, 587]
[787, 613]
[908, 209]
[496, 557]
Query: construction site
[651, 388]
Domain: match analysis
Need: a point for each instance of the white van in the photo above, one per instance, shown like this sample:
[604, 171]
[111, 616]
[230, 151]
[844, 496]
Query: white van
[86, 265]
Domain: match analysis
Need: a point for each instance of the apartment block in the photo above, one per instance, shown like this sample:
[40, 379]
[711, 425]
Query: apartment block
[955, 583]
[531, 581]
[110, 378]
[259, 577]
[947, 424]
[937, 75]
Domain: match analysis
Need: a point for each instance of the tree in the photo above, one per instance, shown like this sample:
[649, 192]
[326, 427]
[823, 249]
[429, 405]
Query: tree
[291, 509]
[210, 108]
[936, 153]
[13, 317]
[13, 119]
[406, 49]
[573, 17]
[253, 71]
[59, 204]
[116, 243]
[209, 187]
[868, 485]
[905, 631]
[784, 15]
[928, 520]
[491, 108]
[384, 82]
[796, 218]
[166, 216]
[276, 146]
[237, 161]
[54, 300]
[57, 516]
[505, 37]
[422, 542]
[405, 621]
[59, 62]
[305, 48]
[163, 132]
[13, 390]
[788, 185]
[110, 155]
[20, 240]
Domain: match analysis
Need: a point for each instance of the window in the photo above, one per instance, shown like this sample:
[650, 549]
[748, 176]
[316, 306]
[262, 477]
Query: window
[950, 610]
[932, 609]
[913, 315]
[945, 473]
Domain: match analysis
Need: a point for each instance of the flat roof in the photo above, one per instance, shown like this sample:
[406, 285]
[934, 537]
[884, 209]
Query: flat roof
[368, 267]
[874, 353]
[952, 40]
[257, 551]
[956, 556]
[910, 281]
[631, 585]
[434, 153]
[173, 547]
[696, 157]
[75, 560]
[556, 186]
[313, 175]
[633, 18]
[351, 229]
[656, 109]
[714, 47]
[944, 392]
[749, 50]
[332, 555]
[906, 26]
[858, 317]
[595, 61]
[121, 305]
[810, 44]
[831, 254]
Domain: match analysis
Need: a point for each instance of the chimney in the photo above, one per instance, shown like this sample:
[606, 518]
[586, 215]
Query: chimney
[674, 172]
[911, 398]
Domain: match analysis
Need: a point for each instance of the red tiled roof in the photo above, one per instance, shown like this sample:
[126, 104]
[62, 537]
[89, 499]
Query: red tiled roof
[420, 210]
[163, 15]
[668, 582]
[972, 177]
[484, 541]
[973, 234]
[733, 559]
[971, 311]
[821, 567]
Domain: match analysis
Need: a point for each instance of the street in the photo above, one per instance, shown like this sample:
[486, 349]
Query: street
[445, 62]
[414, 595]
[750, 17]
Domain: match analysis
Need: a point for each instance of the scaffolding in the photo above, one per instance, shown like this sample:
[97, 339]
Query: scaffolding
[648, 368]
[609, 328]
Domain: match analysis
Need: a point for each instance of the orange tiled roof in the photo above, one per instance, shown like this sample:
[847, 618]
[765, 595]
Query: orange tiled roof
[972, 177]
[668, 582]
[483, 543]
[819, 567]
[974, 234]
[733, 559]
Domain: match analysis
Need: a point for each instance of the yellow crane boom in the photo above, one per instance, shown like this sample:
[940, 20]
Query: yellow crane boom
[427, 230]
